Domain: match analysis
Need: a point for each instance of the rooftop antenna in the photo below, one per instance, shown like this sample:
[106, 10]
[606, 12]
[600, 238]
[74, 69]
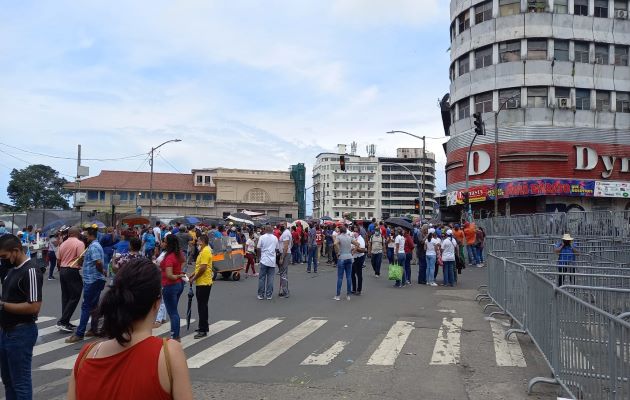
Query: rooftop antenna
[371, 150]
[353, 148]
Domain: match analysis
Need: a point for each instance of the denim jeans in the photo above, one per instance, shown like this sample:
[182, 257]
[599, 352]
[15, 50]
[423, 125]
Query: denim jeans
[377, 260]
[91, 295]
[390, 255]
[400, 259]
[344, 266]
[448, 273]
[431, 259]
[171, 294]
[422, 269]
[472, 255]
[295, 254]
[304, 252]
[479, 251]
[408, 257]
[16, 354]
[312, 258]
[52, 260]
[265, 280]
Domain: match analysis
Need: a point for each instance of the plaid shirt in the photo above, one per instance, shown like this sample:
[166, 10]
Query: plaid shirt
[93, 253]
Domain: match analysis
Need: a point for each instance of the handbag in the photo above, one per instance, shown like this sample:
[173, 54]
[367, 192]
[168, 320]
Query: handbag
[394, 272]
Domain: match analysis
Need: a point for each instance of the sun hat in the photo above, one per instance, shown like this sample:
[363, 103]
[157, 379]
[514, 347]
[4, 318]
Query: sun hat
[567, 236]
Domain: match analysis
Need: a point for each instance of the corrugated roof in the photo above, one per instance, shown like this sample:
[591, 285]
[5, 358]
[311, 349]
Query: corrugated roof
[126, 180]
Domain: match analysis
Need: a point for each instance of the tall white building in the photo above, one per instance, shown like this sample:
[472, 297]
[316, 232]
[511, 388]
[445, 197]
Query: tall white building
[370, 186]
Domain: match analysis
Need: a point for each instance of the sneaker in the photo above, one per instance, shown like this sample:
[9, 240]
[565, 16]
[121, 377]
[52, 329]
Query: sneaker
[337, 298]
[64, 328]
[51, 278]
[348, 297]
[74, 339]
[260, 297]
[308, 272]
[433, 284]
[270, 298]
[71, 325]
[200, 335]
[357, 294]
[408, 283]
[256, 274]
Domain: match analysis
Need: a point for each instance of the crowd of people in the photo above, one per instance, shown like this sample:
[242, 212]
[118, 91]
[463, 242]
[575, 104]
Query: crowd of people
[130, 280]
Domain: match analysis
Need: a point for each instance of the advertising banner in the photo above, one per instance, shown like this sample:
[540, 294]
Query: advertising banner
[612, 189]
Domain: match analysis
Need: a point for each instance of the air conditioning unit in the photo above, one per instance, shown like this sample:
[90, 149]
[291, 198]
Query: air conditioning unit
[80, 198]
[513, 103]
[564, 102]
[621, 14]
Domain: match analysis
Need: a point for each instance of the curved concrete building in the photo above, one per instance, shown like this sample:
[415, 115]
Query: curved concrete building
[556, 77]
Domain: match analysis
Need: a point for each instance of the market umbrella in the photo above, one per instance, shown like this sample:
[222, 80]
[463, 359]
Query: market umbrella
[53, 227]
[134, 219]
[186, 220]
[401, 222]
[189, 309]
[212, 221]
[241, 218]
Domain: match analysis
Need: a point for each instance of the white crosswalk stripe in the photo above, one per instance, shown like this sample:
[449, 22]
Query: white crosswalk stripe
[327, 356]
[279, 346]
[68, 362]
[447, 346]
[212, 353]
[41, 320]
[213, 329]
[392, 344]
[507, 353]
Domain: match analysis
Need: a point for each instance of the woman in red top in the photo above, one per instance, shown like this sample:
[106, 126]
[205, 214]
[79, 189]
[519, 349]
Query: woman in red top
[172, 284]
[132, 364]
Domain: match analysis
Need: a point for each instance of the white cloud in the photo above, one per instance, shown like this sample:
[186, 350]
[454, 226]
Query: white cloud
[369, 13]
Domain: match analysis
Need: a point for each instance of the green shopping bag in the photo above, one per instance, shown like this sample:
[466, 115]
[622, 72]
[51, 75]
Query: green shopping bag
[395, 272]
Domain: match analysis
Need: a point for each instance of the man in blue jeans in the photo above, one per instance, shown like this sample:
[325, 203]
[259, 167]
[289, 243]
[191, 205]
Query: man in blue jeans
[19, 306]
[267, 245]
[312, 249]
[93, 283]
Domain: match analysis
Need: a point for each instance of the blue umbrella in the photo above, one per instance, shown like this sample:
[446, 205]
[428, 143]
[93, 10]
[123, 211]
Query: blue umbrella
[53, 226]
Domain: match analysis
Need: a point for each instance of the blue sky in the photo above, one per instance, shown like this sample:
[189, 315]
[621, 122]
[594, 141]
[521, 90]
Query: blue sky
[244, 84]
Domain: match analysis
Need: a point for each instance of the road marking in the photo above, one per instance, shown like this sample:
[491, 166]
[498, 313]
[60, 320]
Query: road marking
[280, 345]
[327, 356]
[447, 345]
[213, 329]
[53, 329]
[41, 320]
[448, 311]
[392, 344]
[508, 353]
[231, 343]
[68, 362]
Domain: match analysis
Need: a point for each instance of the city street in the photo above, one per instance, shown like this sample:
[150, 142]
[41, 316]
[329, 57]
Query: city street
[417, 342]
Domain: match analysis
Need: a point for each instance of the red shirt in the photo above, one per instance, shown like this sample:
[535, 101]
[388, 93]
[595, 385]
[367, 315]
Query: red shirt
[296, 237]
[131, 374]
[318, 237]
[408, 244]
[171, 260]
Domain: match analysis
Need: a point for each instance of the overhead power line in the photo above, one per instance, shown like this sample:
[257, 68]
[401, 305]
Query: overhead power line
[74, 158]
[30, 163]
[166, 161]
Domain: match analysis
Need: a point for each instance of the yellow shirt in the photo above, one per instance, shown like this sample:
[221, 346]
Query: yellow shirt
[204, 257]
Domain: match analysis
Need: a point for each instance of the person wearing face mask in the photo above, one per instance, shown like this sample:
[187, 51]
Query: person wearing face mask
[358, 255]
[20, 303]
[202, 278]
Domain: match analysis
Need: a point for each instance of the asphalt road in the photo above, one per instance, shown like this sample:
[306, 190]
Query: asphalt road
[417, 342]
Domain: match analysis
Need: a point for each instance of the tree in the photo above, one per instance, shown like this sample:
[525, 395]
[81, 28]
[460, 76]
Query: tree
[37, 186]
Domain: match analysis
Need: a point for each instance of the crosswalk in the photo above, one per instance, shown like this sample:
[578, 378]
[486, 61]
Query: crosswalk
[240, 338]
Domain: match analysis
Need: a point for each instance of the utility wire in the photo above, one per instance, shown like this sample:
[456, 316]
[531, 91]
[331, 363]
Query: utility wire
[166, 161]
[73, 158]
[30, 163]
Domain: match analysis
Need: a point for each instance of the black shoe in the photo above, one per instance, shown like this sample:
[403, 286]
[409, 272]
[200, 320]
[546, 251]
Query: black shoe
[65, 328]
[281, 294]
[200, 335]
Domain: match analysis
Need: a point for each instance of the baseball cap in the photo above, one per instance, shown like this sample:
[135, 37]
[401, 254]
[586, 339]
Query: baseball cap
[431, 230]
[449, 232]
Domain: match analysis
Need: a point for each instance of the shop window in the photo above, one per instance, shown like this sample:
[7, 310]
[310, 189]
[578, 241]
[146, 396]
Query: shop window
[510, 51]
[561, 50]
[537, 97]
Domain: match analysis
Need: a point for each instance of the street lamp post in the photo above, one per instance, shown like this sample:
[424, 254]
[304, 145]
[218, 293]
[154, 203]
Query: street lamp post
[496, 154]
[151, 178]
[424, 156]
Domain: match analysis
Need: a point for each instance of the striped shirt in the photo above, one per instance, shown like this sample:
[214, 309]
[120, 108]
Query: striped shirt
[23, 284]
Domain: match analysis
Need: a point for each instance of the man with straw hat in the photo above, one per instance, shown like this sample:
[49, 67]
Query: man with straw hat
[566, 256]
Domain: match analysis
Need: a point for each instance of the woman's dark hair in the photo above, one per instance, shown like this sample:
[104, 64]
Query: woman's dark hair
[430, 236]
[135, 244]
[172, 244]
[203, 238]
[137, 286]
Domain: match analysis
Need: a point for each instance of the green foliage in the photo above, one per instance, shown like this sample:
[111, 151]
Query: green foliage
[37, 186]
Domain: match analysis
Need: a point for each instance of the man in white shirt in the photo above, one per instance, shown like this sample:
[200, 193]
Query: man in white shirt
[157, 232]
[285, 254]
[266, 246]
[399, 251]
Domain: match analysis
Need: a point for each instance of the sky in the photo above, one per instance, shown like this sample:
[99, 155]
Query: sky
[243, 84]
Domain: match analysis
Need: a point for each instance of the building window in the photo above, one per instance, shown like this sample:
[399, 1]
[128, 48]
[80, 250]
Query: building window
[601, 54]
[510, 97]
[464, 108]
[537, 97]
[453, 31]
[451, 72]
[563, 97]
[483, 102]
[623, 102]
[207, 197]
[483, 12]
[582, 99]
[92, 195]
[561, 6]
[580, 50]
[124, 196]
[621, 55]
[537, 49]
[537, 6]
[199, 179]
[101, 195]
[180, 196]
[509, 7]
[602, 100]
[464, 64]
[561, 50]
[580, 7]
[208, 179]
[510, 51]
[601, 8]
[464, 21]
[483, 57]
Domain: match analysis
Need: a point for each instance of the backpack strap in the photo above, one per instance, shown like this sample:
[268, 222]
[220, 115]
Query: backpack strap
[167, 359]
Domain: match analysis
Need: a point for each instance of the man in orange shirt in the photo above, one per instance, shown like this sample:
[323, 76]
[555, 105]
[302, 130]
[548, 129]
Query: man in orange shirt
[470, 233]
[458, 234]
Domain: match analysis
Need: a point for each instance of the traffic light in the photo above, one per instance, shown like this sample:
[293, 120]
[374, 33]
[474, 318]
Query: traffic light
[478, 124]
[342, 163]
[416, 204]
[466, 197]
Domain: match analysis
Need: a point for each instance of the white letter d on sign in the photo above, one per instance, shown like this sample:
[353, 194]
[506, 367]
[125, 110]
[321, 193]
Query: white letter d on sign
[479, 162]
